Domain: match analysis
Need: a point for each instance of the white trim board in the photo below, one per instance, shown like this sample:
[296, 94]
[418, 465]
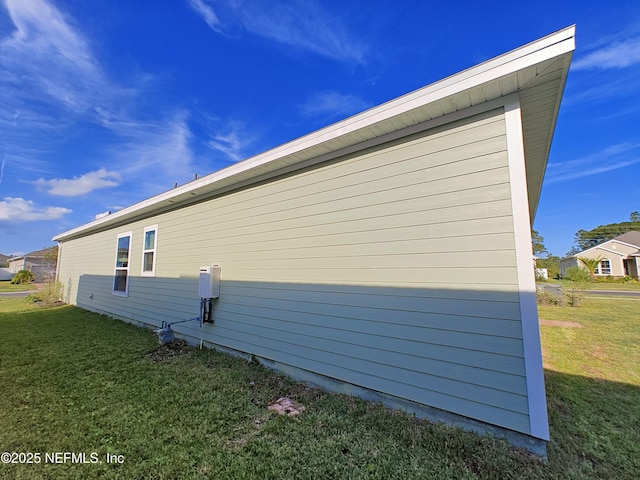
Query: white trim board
[538, 417]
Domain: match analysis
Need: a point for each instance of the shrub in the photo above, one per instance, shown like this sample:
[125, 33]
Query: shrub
[23, 276]
[610, 279]
[49, 294]
[546, 297]
[574, 293]
[577, 274]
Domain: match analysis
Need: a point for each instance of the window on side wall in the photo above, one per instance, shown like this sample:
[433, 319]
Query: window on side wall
[149, 246]
[123, 257]
[605, 267]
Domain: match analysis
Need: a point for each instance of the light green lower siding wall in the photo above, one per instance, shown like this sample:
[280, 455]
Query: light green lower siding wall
[393, 269]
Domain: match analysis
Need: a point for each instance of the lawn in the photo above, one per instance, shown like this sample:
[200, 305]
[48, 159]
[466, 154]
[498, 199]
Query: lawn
[595, 285]
[74, 381]
[7, 286]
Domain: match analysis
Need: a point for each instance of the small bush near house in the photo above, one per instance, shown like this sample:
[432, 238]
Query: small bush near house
[23, 276]
[49, 294]
[577, 274]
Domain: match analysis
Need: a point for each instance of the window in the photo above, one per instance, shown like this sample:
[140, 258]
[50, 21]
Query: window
[149, 251]
[605, 267]
[121, 275]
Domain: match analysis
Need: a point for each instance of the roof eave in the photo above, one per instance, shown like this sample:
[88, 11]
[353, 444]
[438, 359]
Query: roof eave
[497, 72]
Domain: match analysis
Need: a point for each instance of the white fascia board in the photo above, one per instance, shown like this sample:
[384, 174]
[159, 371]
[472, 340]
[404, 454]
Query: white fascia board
[600, 247]
[548, 47]
[603, 249]
[632, 245]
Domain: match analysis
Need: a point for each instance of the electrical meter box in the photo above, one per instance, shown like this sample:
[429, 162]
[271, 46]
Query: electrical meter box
[209, 286]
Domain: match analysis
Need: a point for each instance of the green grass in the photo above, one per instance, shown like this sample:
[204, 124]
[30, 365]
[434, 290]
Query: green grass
[76, 381]
[593, 385]
[595, 285]
[7, 286]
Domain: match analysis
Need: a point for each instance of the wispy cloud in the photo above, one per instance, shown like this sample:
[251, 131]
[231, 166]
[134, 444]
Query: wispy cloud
[615, 55]
[333, 104]
[614, 157]
[53, 82]
[76, 186]
[46, 56]
[299, 24]
[207, 13]
[4, 162]
[233, 141]
[21, 210]
[156, 153]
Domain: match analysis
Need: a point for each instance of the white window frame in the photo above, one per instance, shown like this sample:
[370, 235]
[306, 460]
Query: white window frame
[604, 270]
[126, 268]
[153, 251]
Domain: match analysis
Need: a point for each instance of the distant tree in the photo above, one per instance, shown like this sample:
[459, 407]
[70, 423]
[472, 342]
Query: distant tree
[585, 239]
[573, 251]
[552, 264]
[50, 258]
[537, 243]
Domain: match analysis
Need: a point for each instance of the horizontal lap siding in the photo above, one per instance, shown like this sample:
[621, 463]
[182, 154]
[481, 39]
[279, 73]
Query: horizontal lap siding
[393, 269]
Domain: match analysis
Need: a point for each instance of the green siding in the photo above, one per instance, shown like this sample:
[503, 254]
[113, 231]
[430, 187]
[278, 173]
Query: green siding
[393, 269]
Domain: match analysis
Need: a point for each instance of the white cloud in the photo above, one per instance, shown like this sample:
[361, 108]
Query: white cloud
[233, 142]
[76, 186]
[300, 24]
[19, 209]
[611, 158]
[207, 14]
[46, 57]
[334, 104]
[51, 80]
[619, 54]
[151, 152]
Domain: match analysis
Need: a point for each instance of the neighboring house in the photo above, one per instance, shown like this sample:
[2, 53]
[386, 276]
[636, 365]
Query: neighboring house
[5, 273]
[619, 256]
[41, 263]
[388, 255]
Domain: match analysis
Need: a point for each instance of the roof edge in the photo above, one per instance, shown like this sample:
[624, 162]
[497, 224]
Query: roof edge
[550, 46]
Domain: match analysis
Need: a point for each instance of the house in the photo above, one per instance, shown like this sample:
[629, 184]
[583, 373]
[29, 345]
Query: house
[619, 256]
[42, 263]
[387, 255]
[5, 274]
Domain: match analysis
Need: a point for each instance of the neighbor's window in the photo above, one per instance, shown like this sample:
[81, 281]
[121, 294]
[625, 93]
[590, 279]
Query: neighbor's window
[149, 251]
[121, 276]
[605, 267]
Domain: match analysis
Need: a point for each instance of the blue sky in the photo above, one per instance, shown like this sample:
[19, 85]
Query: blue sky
[108, 102]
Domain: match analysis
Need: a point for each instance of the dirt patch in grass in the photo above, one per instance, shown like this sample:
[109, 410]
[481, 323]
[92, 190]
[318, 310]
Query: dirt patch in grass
[560, 323]
[170, 350]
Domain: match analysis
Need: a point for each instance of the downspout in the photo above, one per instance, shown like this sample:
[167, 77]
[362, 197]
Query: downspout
[58, 261]
[58, 268]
